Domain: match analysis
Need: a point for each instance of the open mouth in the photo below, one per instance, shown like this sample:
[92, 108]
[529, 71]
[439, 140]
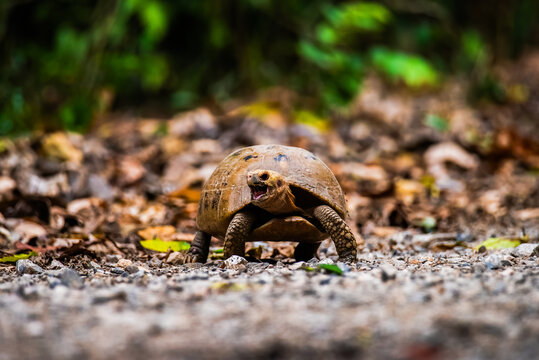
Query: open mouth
[257, 191]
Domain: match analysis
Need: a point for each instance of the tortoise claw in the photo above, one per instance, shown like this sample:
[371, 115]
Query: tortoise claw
[193, 256]
[348, 259]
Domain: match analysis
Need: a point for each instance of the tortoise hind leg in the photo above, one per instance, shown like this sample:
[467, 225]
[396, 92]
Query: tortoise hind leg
[200, 247]
[339, 231]
[306, 251]
[237, 233]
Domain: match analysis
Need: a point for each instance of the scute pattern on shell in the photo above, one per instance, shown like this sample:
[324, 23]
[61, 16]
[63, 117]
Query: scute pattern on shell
[226, 191]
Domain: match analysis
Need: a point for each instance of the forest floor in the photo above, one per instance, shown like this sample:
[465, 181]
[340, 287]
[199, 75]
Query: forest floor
[443, 198]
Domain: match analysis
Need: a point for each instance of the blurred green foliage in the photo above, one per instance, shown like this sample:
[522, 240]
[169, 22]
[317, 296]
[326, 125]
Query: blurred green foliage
[64, 62]
[436, 122]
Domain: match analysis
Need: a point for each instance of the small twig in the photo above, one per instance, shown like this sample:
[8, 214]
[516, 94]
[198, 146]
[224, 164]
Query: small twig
[103, 238]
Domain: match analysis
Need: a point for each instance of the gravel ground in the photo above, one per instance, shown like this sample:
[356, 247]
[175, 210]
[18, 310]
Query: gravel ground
[401, 306]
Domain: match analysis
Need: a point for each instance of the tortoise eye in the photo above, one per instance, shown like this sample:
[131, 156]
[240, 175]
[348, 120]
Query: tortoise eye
[264, 176]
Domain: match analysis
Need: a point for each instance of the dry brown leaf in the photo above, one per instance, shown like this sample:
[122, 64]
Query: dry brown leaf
[165, 232]
[129, 170]
[188, 123]
[370, 179]
[31, 184]
[408, 191]
[154, 213]
[391, 109]
[90, 210]
[189, 194]
[384, 231]
[491, 201]
[437, 155]
[26, 229]
[64, 242]
[78, 205]
[528, 214]
[7, 184]
[172, 145]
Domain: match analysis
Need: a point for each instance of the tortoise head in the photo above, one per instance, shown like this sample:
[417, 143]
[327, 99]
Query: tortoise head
[267, 187]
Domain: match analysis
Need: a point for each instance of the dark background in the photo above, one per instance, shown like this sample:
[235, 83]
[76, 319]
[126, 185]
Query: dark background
[62, 63]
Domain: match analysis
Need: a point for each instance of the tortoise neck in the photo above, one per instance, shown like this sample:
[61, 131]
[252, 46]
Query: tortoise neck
[283, 203]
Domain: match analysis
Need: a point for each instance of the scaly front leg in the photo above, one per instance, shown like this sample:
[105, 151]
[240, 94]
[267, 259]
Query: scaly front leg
[237, 233]
[339, 231]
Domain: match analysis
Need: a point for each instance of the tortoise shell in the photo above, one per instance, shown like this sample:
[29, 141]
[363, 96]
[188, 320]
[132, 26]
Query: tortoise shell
[226, 192]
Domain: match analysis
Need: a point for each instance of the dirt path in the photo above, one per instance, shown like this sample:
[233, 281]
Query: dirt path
[407, 306]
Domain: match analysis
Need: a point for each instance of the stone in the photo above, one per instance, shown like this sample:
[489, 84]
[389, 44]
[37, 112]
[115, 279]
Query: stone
[28, 293]
[493, 261]
[71, 278]
[25, 266]
[388, 272]
[526, 250]
[298, 265]
[326, 261]
[56, 265]
[112, 259]
[344, 267]
[132, 269]
[176, 258]
[193, 265]
[236, 262]
[478, 268]
[123, 263]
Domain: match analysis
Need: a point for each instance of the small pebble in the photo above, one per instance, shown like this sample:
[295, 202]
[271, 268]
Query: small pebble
[176, 258]
[71, 278]
[131, 269]
[25, 266]
[55, 265]
[236, 262]
[493, 261]
[28, 293]
[123, 263]
[155, 262]
[344, 267]
[388, 272]
[478, 268]
[193, 265]
[526, 250]
[116, 270]
[298, 265]
[112, 258]
[326, 261]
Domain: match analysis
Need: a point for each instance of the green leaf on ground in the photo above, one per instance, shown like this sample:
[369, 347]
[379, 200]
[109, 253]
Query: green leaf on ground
[218, 251]
[309, 118]
[163, 246]
[503, 243]
[14, 258]
[437, 122]
[428, 223]
[331, 268]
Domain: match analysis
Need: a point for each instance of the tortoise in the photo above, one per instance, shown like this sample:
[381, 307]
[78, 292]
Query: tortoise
[272, 193]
